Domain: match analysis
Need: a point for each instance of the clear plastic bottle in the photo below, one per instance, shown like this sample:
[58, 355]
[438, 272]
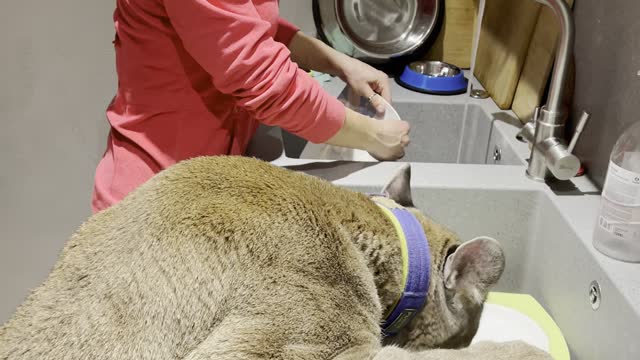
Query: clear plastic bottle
[617, 230]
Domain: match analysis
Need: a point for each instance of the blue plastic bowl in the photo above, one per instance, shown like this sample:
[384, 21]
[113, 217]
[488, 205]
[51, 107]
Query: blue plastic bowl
[433, 77]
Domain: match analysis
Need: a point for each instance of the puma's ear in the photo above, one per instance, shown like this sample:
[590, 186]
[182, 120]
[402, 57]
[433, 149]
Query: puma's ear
[474, 268]
[399, 188]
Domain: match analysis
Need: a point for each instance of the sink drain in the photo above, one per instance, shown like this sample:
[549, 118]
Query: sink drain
[595, 295]
[478, 93]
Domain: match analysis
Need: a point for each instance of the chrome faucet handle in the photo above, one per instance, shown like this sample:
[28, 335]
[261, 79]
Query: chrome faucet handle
[560, 161]
[581, 124]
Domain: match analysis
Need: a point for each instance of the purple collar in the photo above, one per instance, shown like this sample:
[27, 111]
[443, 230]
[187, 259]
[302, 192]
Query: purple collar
[416, 259]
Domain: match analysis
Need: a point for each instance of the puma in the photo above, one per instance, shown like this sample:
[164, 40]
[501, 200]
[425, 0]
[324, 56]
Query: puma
[234, 258]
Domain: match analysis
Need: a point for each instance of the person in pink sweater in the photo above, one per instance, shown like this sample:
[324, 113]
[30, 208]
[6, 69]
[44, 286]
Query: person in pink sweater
[196, 77]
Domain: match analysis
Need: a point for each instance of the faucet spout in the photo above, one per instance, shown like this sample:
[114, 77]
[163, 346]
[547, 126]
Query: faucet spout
[562, 12]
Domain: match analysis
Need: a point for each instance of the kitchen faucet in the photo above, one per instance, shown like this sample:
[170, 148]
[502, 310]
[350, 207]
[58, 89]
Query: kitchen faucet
[550, 156]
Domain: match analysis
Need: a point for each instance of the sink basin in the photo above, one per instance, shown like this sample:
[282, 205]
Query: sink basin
[437, 132]
[440, 133]
[546, 235]
[453, 129]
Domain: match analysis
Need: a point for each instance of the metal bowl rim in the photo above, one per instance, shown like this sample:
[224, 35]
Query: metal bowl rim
[411, 65]
[387, 55]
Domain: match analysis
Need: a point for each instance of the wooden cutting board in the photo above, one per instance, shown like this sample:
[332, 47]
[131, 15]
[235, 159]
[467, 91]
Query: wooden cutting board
[505, 35]
[454, 43]
[537, 67]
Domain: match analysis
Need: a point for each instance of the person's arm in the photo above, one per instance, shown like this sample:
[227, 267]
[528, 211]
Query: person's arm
[312, 54]
[233, 44]
[383, 140]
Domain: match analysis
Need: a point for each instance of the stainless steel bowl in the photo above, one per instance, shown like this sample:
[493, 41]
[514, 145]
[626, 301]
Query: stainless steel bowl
[434, 68]
[377, 29]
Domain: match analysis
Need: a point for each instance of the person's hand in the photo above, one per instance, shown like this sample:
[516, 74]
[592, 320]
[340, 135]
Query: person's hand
[366, 81]
[385, 140]
[389, 140]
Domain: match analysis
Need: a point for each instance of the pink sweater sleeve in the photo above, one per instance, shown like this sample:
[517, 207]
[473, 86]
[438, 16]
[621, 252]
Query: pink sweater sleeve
[286, 31]
[231, 42]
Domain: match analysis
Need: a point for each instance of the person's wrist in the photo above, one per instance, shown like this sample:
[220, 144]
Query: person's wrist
[358, 131]
[341, 63]
[367, 131]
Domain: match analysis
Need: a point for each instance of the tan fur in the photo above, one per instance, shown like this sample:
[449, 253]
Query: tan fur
[233, 258]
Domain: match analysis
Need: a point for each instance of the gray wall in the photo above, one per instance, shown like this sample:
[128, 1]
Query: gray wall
[607, 55]
[56, 79]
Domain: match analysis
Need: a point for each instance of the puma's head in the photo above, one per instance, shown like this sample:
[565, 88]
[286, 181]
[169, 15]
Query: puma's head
[461, 277]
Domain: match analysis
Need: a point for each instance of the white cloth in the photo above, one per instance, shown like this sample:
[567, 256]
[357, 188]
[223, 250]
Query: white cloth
[500, 324]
